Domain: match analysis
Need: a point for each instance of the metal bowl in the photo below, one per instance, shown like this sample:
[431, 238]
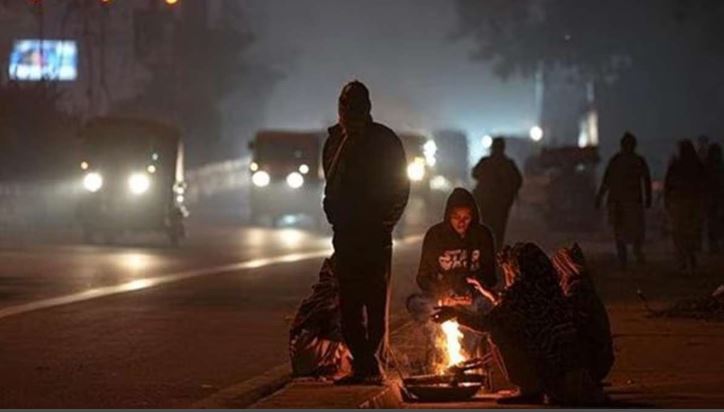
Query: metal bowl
[442, 388]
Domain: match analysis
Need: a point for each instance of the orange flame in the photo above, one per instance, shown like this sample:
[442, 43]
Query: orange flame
[453, 347]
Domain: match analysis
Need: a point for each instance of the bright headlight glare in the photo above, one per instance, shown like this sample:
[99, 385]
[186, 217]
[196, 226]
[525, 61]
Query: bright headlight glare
[536, 133]
[139, 183]
[93, 182]
[295, 180]
[260, 179]
[416, 170]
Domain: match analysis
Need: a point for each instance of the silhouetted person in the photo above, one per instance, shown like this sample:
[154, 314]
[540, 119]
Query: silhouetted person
[715, 197]
[589, 313]
[365, 195]
[627, 181]
[684, 195]
[498, 183]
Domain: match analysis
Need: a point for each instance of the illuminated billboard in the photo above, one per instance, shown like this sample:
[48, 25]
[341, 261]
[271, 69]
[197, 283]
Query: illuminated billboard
[33, 60]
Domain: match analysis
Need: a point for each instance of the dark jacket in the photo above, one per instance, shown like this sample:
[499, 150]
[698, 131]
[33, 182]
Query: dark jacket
[686, 180]
[626, 175]
[499, 181]
[367, 188]
[448, 259]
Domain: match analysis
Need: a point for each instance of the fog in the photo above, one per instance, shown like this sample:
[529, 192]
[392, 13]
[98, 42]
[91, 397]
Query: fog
[420, 76]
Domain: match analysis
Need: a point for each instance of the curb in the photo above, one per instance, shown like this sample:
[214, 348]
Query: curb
[387, 399]
[253, 390]
[248, 392]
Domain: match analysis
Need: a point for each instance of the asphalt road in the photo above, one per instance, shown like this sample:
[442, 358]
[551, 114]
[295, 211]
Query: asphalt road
[142, 325]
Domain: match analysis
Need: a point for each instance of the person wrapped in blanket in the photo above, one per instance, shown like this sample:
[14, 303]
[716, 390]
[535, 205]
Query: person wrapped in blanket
[589, 314]
[316, 345]
[455, 250]
[533, 330]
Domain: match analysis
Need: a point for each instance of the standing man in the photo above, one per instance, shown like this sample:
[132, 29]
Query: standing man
[365, 195]
[626, 177]
[499, 181]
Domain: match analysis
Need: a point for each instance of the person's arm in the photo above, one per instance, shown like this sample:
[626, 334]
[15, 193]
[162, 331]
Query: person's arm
[517, 177]
[327, 155]
[472, 320]
[646, 178]
[604, 185]
[475, 173]
[429, 268]
[668, 185]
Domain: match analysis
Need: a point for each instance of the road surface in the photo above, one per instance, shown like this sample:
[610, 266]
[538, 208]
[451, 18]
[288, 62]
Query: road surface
[141, 325]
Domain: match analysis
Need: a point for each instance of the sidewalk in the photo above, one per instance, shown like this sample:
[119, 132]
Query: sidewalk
[660, 362]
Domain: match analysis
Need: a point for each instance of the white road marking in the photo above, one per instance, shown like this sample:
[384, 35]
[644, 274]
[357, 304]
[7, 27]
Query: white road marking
[145, 283]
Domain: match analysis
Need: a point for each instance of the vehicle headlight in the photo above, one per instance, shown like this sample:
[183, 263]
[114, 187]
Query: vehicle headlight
[416, 170]
[139, 183]
[440, 183]
[93, 182]
[260, 178]
[295, 180]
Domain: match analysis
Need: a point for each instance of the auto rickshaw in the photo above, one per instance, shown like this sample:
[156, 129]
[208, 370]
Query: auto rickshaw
[286, 176]
[421, 170]
[132, 173]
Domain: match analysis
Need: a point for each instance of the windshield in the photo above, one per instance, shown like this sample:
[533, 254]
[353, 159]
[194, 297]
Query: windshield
[287, 149]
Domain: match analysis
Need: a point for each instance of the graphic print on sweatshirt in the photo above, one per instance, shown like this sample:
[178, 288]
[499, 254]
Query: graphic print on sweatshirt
[458, 259]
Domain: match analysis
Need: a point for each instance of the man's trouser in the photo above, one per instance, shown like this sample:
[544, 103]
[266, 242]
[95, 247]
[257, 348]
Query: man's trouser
[363, 270]
[495, 216]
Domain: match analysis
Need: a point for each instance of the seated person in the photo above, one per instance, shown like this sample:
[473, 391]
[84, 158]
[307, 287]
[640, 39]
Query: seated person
[453, 250]
[589, 313]
[533, 331]
[456, 249]
[316, 346]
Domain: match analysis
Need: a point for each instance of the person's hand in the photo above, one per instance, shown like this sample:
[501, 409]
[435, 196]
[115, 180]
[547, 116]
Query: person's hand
[482, 290]
[444, 313]
[457, 300]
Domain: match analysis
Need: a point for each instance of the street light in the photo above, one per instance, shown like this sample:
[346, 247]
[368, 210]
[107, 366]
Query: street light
[536, 133]
[171, 2]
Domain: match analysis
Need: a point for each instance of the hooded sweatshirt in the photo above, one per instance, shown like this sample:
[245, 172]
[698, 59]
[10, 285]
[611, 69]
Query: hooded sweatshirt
[448, 258]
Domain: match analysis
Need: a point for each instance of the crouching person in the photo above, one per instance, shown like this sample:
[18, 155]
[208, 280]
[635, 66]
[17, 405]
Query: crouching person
[454, 250]
[589, 313]
[533, 331]
[316, 345]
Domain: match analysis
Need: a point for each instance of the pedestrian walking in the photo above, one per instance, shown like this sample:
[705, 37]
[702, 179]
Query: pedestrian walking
[498, 182]
[627, 185]
[684, 195]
